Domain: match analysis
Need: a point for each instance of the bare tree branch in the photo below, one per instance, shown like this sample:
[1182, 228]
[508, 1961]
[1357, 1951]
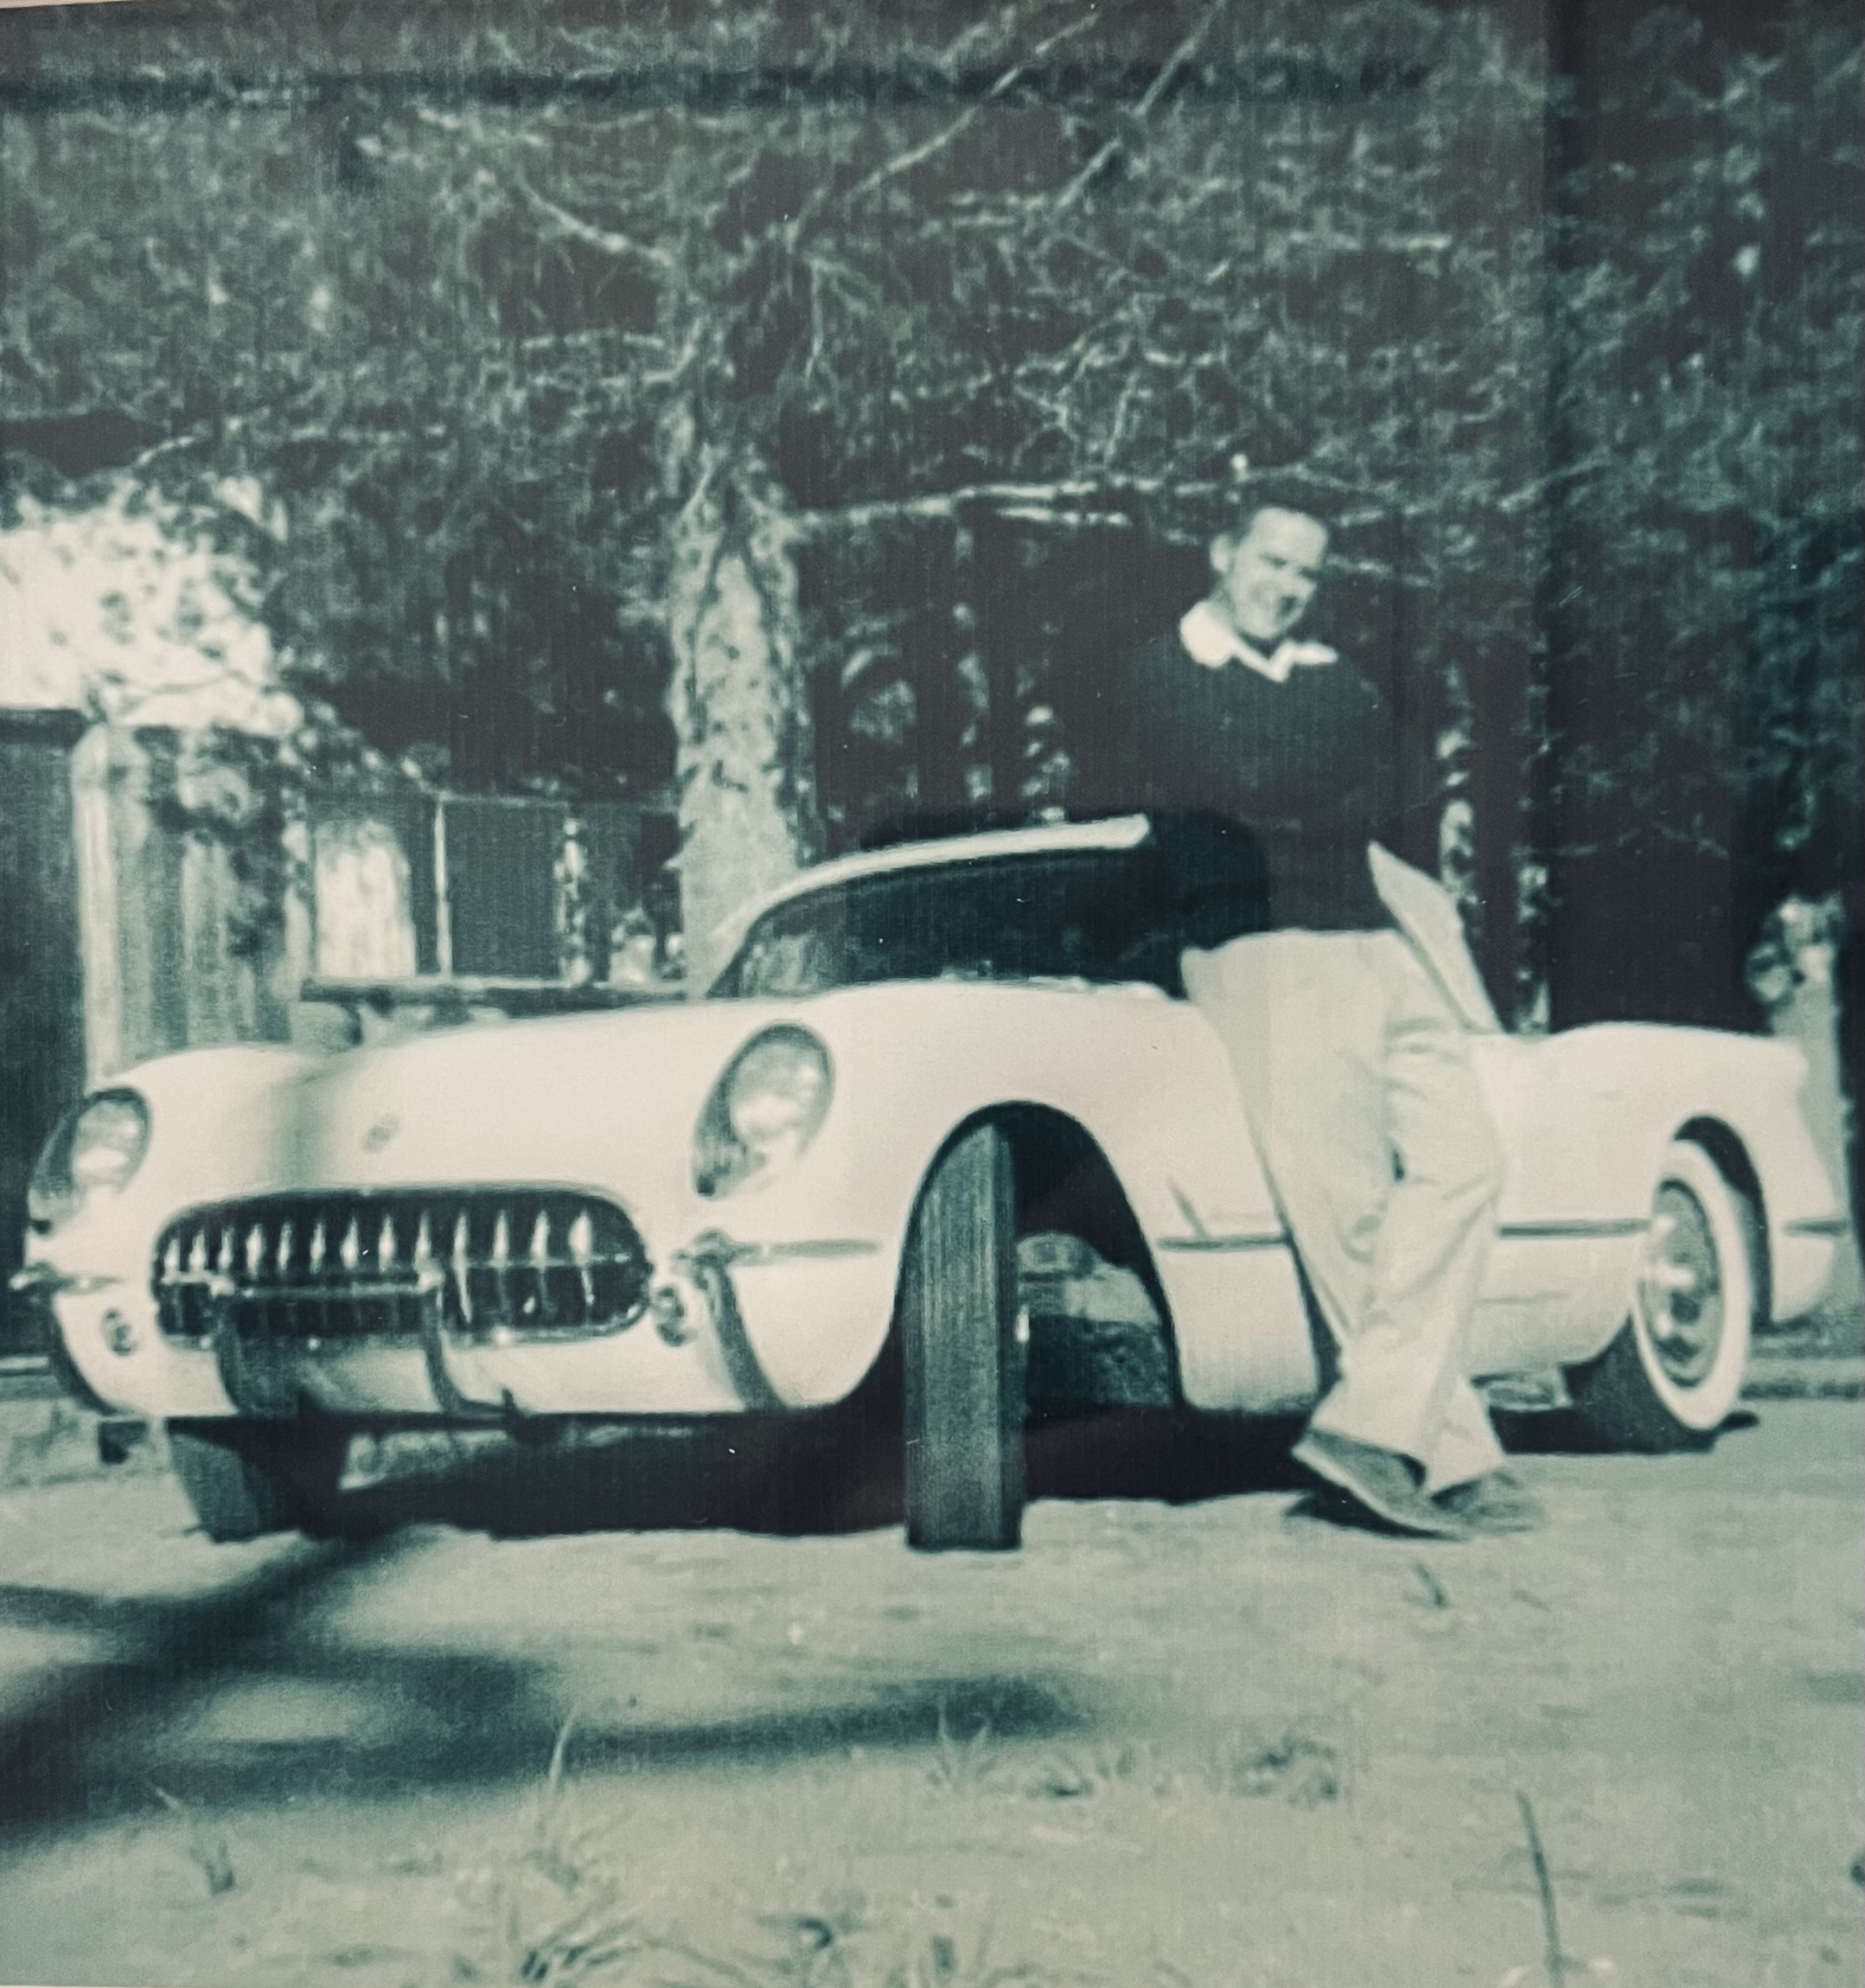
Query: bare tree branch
[1156, 89]
[905, 162]
[606, 239]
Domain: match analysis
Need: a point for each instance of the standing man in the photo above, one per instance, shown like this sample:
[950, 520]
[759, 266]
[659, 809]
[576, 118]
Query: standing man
[1349, 1055]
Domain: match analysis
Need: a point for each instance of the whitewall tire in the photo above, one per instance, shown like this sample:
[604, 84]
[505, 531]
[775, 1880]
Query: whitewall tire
[1671, 1378]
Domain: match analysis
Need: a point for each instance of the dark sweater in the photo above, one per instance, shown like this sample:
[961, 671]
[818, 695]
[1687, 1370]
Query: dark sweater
[1310, 765]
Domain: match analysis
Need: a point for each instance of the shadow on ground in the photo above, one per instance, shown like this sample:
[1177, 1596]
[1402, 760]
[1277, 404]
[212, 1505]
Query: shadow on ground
[1561, 1432]
[148, 1710]
[837, 1472]
[153, 1713]
[104, 1734]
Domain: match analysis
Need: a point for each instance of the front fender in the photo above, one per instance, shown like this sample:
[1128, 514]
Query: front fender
[1143, 1076]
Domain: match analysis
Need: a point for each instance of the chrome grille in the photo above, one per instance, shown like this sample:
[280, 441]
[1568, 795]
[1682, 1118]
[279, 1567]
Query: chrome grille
[501, 1263]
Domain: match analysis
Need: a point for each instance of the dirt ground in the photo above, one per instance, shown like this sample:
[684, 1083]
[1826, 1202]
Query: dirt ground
[1213, 1744]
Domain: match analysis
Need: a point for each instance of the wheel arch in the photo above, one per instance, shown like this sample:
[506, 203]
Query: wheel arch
[1064, 1180]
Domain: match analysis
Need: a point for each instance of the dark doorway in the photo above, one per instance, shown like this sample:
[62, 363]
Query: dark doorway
[41, 988]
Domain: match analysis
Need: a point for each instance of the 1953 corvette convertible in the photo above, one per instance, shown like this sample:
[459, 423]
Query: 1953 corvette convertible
[947, 1101]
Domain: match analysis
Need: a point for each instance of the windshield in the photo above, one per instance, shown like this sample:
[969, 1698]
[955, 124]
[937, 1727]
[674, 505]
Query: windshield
[1098, 915]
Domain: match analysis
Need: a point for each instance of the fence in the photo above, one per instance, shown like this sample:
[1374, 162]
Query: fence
[406, 883]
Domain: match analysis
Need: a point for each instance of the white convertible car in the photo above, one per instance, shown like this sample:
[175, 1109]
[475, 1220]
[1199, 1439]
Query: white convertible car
[946, 1103]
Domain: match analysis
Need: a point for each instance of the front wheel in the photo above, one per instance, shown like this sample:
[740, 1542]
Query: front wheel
[246, 1479]
[962, 1353]
[1670, 1379]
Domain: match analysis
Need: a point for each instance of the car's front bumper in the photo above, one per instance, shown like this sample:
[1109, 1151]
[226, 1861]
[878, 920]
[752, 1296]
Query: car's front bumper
[731, 1326]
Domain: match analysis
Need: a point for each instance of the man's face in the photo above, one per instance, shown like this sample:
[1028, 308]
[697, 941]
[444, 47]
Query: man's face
[1267, 578]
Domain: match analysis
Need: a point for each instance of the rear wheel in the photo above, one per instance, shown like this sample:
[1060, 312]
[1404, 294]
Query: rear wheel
[1671, 1376]
[962, 1353]
[246, 1479]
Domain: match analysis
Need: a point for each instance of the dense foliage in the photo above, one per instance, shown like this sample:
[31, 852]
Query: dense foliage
[485, 295]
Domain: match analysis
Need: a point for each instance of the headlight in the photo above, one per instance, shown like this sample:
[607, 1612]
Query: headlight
[96, 1149]
[764, 1110]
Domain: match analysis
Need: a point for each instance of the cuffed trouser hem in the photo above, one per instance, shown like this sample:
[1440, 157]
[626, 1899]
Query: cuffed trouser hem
[1463, 1445]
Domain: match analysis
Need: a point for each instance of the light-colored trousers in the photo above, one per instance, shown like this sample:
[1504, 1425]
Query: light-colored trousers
[1380, 1148]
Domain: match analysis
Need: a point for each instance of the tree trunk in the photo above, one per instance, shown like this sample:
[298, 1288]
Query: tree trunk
[739, 705]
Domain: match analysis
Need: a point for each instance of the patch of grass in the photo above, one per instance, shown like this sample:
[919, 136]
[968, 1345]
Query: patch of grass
[1430, 1593]
[561, 1851]
[1081, 1775]
[940, 1963]
[1299, 1767]
[208, 1848]
[843, 1945]
[554, 1919]
[960, 1764]
[585, 1939]
[815, 1949]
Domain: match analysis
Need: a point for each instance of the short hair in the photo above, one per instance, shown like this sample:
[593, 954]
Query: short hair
[1272, 490]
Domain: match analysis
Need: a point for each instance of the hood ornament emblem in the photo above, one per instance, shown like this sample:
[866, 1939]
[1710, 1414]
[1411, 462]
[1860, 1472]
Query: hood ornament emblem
[381, 1132]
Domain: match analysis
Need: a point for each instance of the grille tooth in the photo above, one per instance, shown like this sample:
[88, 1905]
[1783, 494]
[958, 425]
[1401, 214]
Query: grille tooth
[462, 1259]
[319, 1245]
[582, 1252]
[540, 1310]
[197, 1252]
[385, 1249]
[171, 1259]
[286, 1239]
[255, 1248]
[502, 1270]
[349, 1250]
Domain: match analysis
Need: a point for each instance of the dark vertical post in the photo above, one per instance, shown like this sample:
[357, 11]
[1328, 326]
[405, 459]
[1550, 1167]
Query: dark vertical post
[944, 707]
[42, 1021]
[1558, 632]
[1516, 715]
[1009, 630]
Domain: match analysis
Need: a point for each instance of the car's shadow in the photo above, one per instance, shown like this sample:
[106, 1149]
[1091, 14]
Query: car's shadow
[830, 1473]
[835, 1472]
[1562, 1432]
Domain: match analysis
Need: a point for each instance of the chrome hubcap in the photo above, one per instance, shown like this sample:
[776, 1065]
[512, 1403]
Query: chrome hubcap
[1680, 1287]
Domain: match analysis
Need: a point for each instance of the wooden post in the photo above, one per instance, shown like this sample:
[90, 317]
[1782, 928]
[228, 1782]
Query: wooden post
[158, 911]
[91, 779]
[129, 879]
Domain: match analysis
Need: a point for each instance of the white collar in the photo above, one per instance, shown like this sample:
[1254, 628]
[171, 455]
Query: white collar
[1211, 640]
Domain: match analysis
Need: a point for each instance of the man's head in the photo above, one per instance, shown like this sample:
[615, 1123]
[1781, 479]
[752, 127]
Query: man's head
[1266, 572]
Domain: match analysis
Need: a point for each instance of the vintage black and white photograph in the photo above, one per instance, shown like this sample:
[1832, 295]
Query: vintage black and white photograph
[931, 993]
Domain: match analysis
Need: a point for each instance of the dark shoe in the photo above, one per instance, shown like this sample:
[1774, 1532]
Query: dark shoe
[1380, 1482]
[1498, 1502]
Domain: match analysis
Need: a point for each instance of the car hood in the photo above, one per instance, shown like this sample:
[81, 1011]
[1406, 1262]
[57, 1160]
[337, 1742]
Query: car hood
[587, 1099]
